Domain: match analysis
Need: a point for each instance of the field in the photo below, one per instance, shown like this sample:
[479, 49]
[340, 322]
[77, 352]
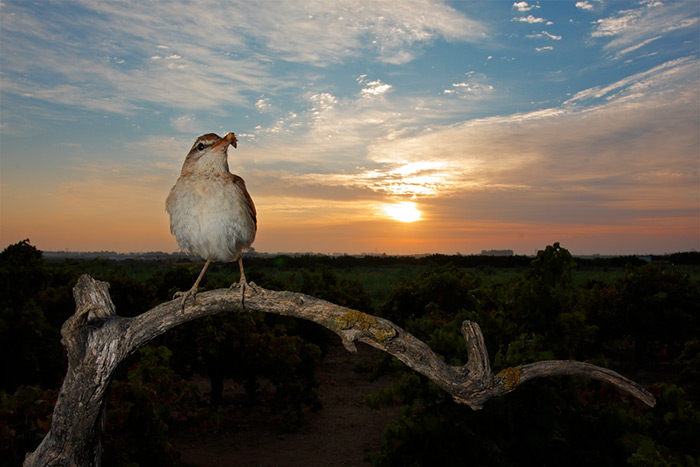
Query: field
[377, 275]
[291, 395]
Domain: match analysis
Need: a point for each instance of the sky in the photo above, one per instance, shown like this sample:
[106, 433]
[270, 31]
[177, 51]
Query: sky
[386, 126]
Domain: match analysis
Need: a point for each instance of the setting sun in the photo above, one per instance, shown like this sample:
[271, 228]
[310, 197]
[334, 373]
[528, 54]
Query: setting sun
[403, 212]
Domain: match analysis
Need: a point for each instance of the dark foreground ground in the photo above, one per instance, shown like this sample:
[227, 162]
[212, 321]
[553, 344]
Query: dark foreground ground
[343, 433]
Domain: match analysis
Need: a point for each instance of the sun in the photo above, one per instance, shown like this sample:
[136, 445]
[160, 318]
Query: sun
[404, 211]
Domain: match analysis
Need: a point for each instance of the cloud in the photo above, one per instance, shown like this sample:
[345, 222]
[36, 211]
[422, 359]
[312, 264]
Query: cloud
[154, 61]
[79, 76]
[524, 6]
[334, 131]
[340, 140]
[634, 47]
[344, 139]
[263, 105]
[669, 75]
[544, 35]
[375, 88]
[575, 164]
[180, 55]
[529, 19]
[631, 29]
[578, 160]
[587, 6]
[476, 86]
[322, 32]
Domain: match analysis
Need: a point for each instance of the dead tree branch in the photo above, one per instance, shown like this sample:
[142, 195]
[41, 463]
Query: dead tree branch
[97, 340]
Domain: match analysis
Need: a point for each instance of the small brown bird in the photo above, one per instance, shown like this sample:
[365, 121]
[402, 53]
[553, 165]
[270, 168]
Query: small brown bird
[211, 213]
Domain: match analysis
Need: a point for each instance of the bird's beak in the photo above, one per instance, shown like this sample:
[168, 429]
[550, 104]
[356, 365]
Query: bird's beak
[228, 139]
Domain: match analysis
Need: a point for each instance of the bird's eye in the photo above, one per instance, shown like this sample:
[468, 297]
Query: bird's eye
[200, 146]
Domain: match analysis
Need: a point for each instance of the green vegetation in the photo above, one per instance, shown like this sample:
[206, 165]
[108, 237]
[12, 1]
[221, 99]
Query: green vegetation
[638, 318]
[645, 321]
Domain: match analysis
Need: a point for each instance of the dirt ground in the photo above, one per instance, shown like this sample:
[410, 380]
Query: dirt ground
[343, 433]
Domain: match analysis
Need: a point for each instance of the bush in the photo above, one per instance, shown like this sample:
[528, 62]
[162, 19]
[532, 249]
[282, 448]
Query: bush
[140, 408]
[25, 418]
[556, 421]
[30, 348]
[652, 307]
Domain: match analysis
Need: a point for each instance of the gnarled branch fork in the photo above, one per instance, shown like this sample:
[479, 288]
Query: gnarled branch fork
[97, 340]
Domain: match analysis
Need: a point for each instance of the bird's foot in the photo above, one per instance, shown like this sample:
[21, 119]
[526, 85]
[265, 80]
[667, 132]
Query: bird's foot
[243, 285]
[185, 295]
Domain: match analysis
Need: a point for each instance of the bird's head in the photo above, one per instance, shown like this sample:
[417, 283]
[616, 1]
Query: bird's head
[209, 153]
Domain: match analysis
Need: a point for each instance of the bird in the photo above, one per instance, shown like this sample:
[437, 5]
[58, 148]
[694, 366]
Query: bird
[212, 215]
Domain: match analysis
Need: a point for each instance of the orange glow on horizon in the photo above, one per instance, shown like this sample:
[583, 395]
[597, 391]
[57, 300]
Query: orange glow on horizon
[380, 235]
[127, 220]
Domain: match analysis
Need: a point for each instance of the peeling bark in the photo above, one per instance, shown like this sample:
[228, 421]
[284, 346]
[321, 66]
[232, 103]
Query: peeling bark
[97, 340]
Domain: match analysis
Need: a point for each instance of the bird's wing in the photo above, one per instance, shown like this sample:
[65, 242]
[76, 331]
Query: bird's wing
[238, 181]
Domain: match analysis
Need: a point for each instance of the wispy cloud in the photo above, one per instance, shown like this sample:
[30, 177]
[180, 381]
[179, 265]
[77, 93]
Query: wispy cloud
[342, 144]
[343, 150]
[662, 77]
[529, 19]
[631, 29]
[475, 86]
[632, 48]
[322, 32]
[544, 35]
[570, 164]
[182, 55]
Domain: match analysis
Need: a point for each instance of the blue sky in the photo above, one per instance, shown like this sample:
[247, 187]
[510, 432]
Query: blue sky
[363, 126]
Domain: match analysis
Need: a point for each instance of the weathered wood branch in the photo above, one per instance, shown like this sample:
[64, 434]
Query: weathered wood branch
[97, 340]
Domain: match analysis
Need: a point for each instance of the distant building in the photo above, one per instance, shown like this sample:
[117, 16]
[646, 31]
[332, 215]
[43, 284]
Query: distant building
[496, 252]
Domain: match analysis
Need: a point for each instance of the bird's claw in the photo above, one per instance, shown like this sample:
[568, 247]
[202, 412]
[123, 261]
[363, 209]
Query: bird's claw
[185, 295]
[243, 284]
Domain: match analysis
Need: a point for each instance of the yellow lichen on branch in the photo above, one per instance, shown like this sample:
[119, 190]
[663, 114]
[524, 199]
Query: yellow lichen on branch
[510, 377]
[366, 323]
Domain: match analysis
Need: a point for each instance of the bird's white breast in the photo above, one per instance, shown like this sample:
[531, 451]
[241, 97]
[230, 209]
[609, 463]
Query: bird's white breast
[209, 217]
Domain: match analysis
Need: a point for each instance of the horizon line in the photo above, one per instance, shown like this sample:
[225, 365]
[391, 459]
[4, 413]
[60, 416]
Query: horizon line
[490, 253]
